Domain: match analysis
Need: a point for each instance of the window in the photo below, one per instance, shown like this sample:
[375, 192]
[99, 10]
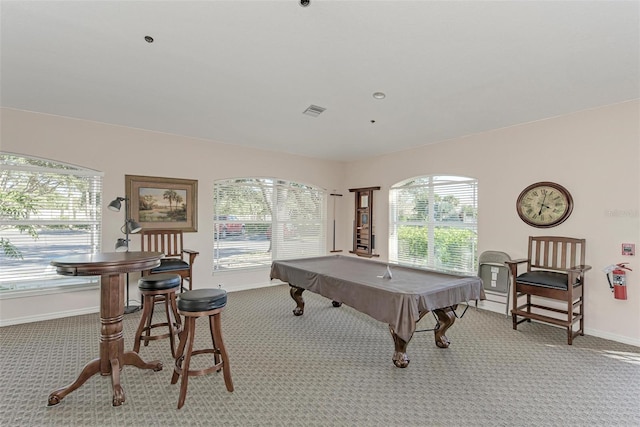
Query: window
[434, 223]
[47, 210]
[257, 220]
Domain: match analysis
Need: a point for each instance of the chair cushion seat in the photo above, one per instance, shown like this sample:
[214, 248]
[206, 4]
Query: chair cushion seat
[170, 264]
[546, 279]
[202, 300]
[158, 282]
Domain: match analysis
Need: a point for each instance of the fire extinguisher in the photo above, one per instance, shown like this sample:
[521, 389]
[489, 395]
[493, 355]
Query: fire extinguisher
[617, 278]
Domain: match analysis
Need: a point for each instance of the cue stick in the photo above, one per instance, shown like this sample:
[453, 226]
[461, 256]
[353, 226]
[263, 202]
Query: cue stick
[334, 222]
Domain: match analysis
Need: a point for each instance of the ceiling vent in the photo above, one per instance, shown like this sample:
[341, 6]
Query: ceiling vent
[313, 111]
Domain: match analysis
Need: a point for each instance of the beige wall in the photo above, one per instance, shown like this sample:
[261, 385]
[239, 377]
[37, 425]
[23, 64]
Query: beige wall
[595, 154]
[102, 147]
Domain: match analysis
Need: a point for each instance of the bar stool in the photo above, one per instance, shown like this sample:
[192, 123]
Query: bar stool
[158, 288]
[194, 304]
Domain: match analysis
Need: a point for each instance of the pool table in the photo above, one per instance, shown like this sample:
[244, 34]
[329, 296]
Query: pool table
[399, 299]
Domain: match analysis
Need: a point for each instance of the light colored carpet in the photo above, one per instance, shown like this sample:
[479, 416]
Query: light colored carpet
[330, 367]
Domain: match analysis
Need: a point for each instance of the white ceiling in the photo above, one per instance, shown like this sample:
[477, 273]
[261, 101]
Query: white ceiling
[242, 72]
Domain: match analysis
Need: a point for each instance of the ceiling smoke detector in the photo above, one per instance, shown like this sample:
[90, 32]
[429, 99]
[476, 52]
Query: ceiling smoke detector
[313, 110]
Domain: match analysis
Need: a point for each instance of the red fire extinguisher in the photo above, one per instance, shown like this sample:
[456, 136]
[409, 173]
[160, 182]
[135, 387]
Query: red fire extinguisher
[618, 281]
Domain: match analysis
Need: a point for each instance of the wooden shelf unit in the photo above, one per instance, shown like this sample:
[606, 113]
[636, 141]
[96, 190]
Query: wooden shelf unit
[363, 238]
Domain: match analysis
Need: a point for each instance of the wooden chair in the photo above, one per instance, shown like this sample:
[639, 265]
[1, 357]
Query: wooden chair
[169, 242]
[555, 270]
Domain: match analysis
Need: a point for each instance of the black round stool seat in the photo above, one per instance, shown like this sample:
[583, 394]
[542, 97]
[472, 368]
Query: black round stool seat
[202, 300]
[158, 282]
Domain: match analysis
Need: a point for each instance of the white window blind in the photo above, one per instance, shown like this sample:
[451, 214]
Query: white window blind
[257, 220]
[47, 210]
[434, 223]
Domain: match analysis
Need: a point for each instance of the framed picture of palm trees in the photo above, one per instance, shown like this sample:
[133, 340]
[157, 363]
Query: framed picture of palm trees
[163, 203]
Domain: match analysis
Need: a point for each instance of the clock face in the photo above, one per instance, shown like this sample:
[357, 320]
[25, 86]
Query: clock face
[544, 204]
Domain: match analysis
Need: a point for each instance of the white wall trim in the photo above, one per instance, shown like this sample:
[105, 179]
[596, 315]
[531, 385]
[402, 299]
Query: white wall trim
[612, 337]
[51, 290]
[497, 308]
[49, 316]
[248, 286]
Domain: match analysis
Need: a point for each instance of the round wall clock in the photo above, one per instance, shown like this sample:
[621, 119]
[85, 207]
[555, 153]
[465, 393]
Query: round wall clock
[544, 204]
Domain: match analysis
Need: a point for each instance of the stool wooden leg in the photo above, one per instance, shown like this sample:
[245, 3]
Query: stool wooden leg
[187, 362]
[217, 333]
[216, 353]
[180, 352]
[152, 303]
[147, 302]
[176, 314]
[174, 325]
[187, 339]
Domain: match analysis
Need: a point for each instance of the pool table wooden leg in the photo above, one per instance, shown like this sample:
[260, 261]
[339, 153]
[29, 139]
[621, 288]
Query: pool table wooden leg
[400, 358]
[446, 317]
[296, 294]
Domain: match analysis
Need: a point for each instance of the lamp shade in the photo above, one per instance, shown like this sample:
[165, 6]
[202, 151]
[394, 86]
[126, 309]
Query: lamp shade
[115, 204]
[133, 226]
[122, 245]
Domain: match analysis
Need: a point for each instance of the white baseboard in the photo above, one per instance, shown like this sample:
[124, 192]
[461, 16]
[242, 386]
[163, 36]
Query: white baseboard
[49, 316]
[90, 310]
[612, 337]
[498, 308]
[246, 287]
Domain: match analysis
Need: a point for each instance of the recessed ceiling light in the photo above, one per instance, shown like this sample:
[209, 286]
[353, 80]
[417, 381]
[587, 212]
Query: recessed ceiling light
[148, 39]
[379, 95]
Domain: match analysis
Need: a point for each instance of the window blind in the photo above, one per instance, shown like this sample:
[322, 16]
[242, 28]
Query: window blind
[47, 210]
[433, 223]
[257, 220]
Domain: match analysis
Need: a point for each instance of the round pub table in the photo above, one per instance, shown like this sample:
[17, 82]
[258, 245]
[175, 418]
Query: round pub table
[111, 267]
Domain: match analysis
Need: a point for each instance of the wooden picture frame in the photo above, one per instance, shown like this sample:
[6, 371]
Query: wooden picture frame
[163, 203]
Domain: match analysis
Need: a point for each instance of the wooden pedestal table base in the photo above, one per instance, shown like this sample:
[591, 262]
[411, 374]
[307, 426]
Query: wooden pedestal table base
[111, 267]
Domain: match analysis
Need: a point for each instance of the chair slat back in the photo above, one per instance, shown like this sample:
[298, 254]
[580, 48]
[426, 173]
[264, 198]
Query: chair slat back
[555, 253]
[169, 242]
